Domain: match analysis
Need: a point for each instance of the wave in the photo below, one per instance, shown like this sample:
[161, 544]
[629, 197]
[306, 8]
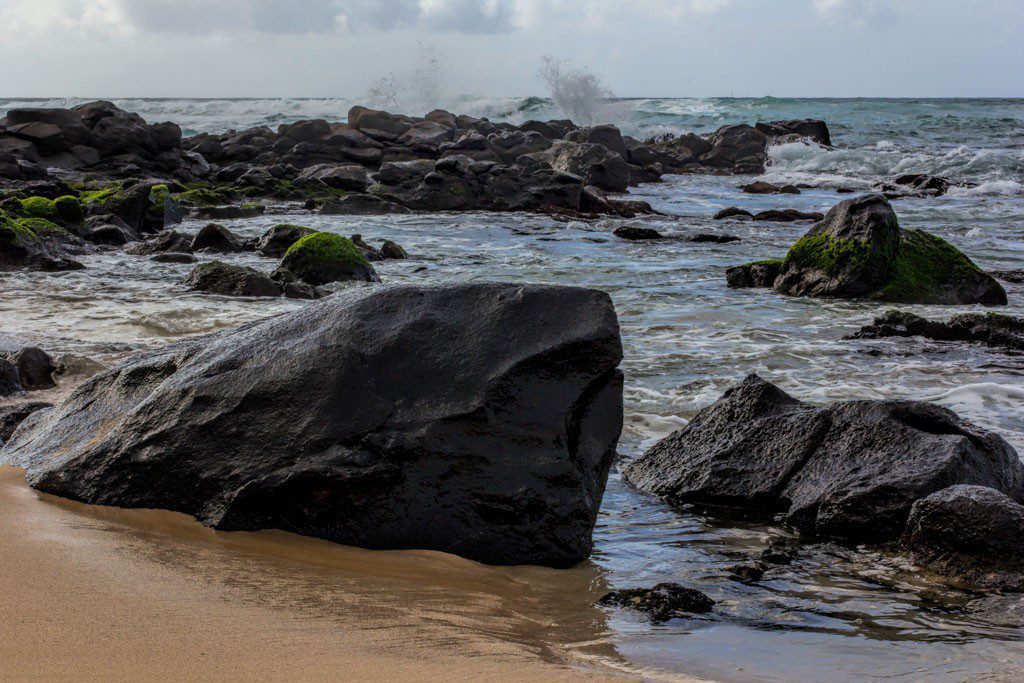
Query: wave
[990, 171]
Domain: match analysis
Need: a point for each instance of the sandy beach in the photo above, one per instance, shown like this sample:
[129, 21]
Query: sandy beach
[102, 593]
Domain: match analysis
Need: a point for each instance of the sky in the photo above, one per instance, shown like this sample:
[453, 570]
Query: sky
[639, 48]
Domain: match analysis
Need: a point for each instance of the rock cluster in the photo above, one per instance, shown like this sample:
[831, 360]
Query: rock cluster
[95, 137]
[850, 470]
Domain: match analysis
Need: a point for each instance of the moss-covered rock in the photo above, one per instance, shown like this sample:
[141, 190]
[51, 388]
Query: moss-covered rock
[859, 250]
[69, 210]
[324, 257]
[39, 207]
[756, 274]
[33, 243]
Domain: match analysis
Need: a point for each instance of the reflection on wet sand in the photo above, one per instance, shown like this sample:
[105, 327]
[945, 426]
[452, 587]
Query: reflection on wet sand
[145, 593]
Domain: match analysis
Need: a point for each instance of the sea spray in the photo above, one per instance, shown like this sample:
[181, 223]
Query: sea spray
[414, 92]
[578, 93]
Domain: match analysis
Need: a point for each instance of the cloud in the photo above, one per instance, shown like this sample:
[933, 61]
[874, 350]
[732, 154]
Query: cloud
[201, 17]
[860, 12]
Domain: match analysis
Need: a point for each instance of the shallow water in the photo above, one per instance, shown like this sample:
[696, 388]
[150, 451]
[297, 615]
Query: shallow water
[837, 612]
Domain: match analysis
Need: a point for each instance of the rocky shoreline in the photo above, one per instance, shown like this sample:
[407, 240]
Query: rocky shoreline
[97, 179]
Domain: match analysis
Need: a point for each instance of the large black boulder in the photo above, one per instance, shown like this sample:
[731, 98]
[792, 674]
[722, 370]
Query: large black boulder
[971, 534]
[478, 419]
[849, 470]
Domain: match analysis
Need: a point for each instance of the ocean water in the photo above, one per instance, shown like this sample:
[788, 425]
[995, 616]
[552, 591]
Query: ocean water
[835, 614]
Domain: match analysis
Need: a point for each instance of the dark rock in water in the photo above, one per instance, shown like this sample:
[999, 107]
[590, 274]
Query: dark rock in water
[934, 185]
[276, 241]
[230, 212]
[391, 250]
[859, 250]
[663, 602]
[293, 287]
[750, 571]
[738, 148]
[970, 534]
[217, 277]
[324, 257]
[166, 242]
[733, 212]
[779, 552]
[704, 237]
[109, 230]
[756, 274]
[1014, 276]
[172, 257]
[595, 164]
[761, 187]
[636, 232]
[10, 380]
[14, 414]
[806, 128]
[360, 205]
[788, 215]
[216, 238]
[370, 252]
[331, 421]
[35, 367]
[849, 470]
[991, 329]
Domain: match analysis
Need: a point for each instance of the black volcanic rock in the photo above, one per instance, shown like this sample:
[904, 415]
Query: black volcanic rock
[991, 329]
[849, 470]
[971, 535]
[476, 419]
[662, 602]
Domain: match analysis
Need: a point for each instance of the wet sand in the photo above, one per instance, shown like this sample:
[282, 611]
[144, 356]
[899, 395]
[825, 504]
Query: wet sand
[108, 594]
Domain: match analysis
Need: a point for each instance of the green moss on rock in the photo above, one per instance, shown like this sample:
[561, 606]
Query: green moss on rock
[70, 210]
[206, 196]
[928, 269]
[324, 257]
[39, 207]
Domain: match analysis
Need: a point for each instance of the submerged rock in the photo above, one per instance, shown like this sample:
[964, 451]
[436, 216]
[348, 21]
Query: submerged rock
[171, 241]
[173, 257]
[217, 277]
[733, 212]
[859, 250]
[849, 470]
[971, 535]
[476, 419]
[756, 274]
[323, 257]
[787, 215]
[761, 187]
[711, 238]
[276, 241]
[991, 329]
[216, 238]
[636, 232]
[663, 602]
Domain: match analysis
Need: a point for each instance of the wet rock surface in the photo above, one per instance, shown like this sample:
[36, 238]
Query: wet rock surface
[991, 329]
[331, 422]
[849, 470]
[662, 602]
[971, 535]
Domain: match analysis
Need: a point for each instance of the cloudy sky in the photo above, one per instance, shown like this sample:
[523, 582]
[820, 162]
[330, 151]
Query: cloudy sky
[321, 48]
